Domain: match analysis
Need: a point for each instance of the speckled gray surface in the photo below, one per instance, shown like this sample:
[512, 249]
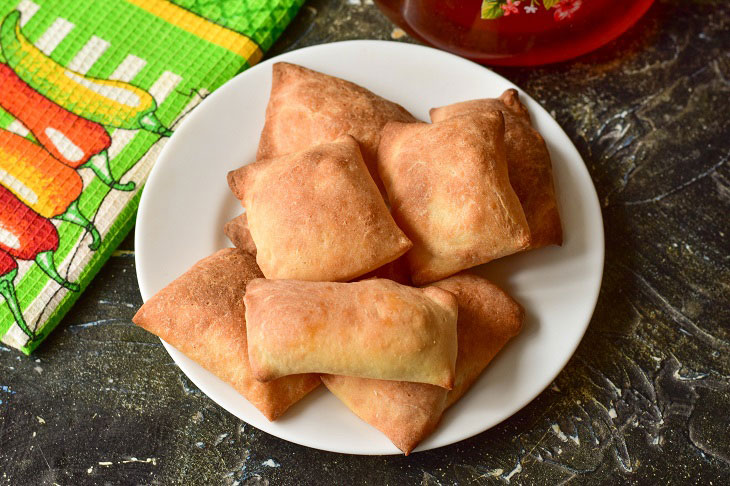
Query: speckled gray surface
[645, 400]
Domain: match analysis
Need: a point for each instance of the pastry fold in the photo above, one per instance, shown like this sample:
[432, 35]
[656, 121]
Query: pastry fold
[372, 329]
[528, 161]
[201, 314]
[488, 319]
[408, 412]
[317, 215]
[237, 231]
[449, 192]
[308, 108]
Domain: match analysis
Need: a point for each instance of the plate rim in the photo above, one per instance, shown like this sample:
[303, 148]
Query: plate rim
[228, 85]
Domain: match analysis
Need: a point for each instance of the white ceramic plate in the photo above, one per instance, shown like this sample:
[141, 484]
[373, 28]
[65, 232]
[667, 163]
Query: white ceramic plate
[186, 203]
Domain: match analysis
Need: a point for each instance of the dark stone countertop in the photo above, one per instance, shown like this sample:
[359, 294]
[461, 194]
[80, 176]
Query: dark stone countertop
[644, 400]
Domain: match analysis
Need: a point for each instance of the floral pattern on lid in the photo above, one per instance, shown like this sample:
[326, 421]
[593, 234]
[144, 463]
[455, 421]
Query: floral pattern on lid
[563, 9]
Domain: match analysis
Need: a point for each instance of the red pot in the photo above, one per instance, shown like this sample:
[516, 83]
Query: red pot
[515, 33]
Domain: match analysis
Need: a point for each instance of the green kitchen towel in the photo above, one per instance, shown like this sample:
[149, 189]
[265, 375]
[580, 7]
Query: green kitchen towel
[90, 91]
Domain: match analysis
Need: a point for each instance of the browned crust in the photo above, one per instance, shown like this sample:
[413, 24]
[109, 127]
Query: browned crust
[449, 191]
[317, 215]
[308, 108]
[237, 231]
[373, 329]
[407, 412]
[201, 313]
[528, 159]
[488, 319]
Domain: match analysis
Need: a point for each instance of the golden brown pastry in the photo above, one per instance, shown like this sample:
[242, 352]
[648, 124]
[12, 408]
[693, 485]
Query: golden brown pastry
[408, 412]
[488, 319]
[317, 215]
[450, 193]
[373, 329]
[308, 108]
[528, 160]
[237, 231]
[201, 314]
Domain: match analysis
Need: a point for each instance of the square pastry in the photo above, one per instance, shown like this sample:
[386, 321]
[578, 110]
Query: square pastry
[449, 191]
[317, 214]
[528, 162]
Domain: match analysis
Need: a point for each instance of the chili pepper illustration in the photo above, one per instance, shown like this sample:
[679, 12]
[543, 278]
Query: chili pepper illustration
[68, 137]
[26, 235]
[41, 182]
[113, 103]
[8, 271]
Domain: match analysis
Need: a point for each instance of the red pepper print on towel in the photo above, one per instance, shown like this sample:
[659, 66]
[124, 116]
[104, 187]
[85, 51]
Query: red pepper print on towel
[43, 183]
[73, 140]
[26, 235]
[107, 102]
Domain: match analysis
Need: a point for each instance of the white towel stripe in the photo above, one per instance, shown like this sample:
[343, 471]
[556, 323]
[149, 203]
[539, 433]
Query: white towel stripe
[128, 69]
[27, 10]
[54, 35]
[88, 55]
[164, 85]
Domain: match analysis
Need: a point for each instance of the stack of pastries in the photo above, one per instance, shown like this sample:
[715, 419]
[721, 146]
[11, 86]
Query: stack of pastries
[351, 258]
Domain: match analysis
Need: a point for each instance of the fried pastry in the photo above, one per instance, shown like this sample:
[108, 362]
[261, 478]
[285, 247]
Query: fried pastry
[201, 314]
[309, 108]
[317, 215]
[237, 231]
[528, 161]
[449, 192]
[488, 319]
[408, 412]
[373, 329]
